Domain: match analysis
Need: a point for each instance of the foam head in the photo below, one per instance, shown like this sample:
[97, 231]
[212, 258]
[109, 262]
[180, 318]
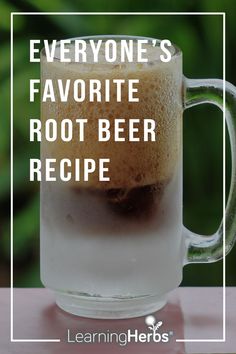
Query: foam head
[132, 164]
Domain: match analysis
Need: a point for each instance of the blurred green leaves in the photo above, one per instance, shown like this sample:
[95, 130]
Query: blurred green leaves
[6, 9]
[26, 228]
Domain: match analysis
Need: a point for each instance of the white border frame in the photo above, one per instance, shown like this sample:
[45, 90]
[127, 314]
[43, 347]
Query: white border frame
[11, 157]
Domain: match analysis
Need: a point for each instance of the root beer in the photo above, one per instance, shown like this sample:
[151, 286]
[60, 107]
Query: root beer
[140, 170]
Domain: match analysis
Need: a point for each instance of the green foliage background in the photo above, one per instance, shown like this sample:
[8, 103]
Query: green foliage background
[199, 37]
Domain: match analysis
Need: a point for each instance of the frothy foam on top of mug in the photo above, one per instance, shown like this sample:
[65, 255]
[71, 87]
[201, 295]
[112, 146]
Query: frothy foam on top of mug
[153, 54]
[160, 98]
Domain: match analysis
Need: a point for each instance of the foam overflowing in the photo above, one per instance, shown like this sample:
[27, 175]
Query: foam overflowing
[132, 164]
[118, 52]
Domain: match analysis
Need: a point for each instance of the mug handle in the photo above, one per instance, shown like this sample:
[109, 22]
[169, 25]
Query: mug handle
[204, 249]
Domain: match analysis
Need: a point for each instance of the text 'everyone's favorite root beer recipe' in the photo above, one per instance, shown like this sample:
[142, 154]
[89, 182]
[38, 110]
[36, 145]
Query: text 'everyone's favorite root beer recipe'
[97, 131]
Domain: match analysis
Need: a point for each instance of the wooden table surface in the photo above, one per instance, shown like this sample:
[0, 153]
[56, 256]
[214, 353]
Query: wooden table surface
[191, 313]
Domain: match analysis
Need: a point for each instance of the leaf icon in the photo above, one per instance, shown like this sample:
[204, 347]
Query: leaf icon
[158, 325]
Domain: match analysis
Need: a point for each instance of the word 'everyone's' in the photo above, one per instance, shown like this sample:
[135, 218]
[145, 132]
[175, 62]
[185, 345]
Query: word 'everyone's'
[110, 50]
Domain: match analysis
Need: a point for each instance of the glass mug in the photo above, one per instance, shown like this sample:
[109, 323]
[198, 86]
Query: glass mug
[116, 249]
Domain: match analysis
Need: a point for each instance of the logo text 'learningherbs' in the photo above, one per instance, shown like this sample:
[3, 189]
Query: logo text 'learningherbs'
[123, 338]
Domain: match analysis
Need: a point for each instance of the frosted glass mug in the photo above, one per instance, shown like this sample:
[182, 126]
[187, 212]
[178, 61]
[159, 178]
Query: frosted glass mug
[116, 249]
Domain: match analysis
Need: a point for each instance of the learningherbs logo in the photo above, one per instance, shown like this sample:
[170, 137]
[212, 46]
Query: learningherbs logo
[153, 334]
